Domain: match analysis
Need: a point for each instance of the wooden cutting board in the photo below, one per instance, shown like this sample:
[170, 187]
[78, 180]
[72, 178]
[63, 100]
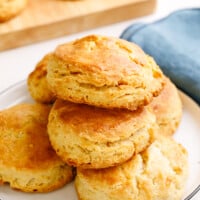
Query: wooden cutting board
[46, 19]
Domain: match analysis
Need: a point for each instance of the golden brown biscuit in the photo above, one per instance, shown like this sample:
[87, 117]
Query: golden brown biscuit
[168, 109]
[92, 137]
[159, 173]
[105, 72]
[27, 160]
[37, 83]
[10, 8]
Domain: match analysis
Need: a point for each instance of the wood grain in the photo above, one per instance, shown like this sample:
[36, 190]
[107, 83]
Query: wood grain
[46, 19]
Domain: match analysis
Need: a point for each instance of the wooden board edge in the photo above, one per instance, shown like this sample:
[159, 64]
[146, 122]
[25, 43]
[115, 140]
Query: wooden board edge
[65, 27]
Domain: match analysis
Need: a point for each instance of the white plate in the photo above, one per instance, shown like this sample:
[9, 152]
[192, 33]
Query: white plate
[188, 134]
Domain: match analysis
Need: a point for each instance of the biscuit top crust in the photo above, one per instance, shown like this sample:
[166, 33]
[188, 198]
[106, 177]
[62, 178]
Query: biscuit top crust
[10, 8]
[99, 124]
[24, 141]
[37, 82]
[168, 97]
[106, 60]
[40, 70]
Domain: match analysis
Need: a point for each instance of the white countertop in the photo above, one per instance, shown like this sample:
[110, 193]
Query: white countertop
[16, 64]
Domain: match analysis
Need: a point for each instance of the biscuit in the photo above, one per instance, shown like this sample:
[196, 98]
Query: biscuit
[28, 162]
[11, 8]
[158, 173]
[37, 83]
[168, 109]
[104, 72]
[90, 137]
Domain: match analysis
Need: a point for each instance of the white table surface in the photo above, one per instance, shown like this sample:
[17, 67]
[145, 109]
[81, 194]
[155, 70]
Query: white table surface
[16, 64]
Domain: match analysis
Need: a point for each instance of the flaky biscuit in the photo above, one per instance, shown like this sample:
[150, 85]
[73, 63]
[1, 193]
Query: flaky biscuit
[158, 173]
[28, 162]
[37, 83]
[10, 8]
[105, 72]
[168, 109]
[91, 137]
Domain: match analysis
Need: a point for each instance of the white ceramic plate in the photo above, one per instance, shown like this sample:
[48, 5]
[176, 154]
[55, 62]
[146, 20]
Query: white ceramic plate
[188, 134]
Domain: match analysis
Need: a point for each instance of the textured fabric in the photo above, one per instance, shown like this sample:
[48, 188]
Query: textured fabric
[174, 42]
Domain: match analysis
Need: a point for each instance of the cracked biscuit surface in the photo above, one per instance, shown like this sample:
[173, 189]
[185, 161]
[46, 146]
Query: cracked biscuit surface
[90, 137]
[104, 72]
[10, 8]
[158, 173]
[28, 162]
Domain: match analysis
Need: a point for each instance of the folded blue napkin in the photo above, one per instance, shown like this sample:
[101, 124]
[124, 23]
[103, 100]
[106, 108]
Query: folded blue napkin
[174, 42]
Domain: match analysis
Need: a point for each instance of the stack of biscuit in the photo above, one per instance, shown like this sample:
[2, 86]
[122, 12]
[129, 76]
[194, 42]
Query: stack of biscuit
[112, 118]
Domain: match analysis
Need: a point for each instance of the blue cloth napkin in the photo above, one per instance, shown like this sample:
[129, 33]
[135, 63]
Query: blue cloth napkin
[174, 42]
